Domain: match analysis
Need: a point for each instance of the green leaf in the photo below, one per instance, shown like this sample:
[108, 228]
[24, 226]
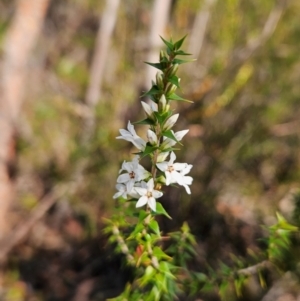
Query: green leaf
[138, 228]
[154, 227]
[169, 134]
[168, 44]
[142, 215]
[161, 210]
[153, 91]
[160, 66]
[179, 61]
[174, 80]
[148, 150]
[178, 98]
[178, 44]
[160, 254]
[162, 117]
[145, 121]
[180, 52]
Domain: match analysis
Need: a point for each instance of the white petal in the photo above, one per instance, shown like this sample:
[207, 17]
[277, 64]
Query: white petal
[170, 122]
[147, 108]
[152, 203]
[168, 178]
[141, 202]
[150, 184]
[133, 193]
[179, 166]
[117, 194]
[154, 106]
[130, 184]
[172, 157]
[156, 194]
[176, 177]
[162, 166]
[130, 128]
[187, 188]
[141, 191]
[123, 178]
[187, 169]
[187, 180]
[139, 143]
[179, 135]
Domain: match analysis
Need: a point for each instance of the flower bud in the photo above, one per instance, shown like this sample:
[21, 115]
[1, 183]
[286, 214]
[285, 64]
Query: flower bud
[159, 80]
[162, 156]
[162, 56]
[161, 179]
[173, 70]
[170, 122]
[147, 109]
[162, 103]
[152, 138]
[170, 88]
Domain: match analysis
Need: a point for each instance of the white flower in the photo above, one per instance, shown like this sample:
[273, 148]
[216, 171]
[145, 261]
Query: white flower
[132, 137]
[170, 122]
[172, 169]
[186, 180]
[168, 142]
[148, 195]
[152, 138]
[122, 191]
[135, 173]
[149, 108]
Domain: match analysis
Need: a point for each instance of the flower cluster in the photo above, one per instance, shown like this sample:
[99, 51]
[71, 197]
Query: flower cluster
[134, 180]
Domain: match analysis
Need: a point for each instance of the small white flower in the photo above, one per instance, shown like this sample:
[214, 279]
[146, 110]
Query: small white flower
[135, 173]
[148, 195]
[172, 169]
[186, 180]
[132, 137]
[122, 191]
[168, 142]
[152, 138]
[149, 108]
[170, 122]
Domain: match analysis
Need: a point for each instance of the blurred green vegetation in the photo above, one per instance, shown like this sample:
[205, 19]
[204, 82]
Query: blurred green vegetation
[243, 143]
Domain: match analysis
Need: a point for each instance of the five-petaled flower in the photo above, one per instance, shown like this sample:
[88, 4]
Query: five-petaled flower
[148, 194]
[132, 137]
[172, 170]
[135, 173]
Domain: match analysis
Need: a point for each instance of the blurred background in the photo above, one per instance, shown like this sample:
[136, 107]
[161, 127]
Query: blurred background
[72, 73]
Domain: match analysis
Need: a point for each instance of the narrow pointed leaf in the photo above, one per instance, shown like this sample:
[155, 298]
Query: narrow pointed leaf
[178, 98]
[161, 210]
[148, 150]
[160, 66]
[179, 61]
[154, 227]
[169, 134]
[180, 52]
[154, 90]
[174, 80]
[145, 121]
[168, 44]
[178, 44]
